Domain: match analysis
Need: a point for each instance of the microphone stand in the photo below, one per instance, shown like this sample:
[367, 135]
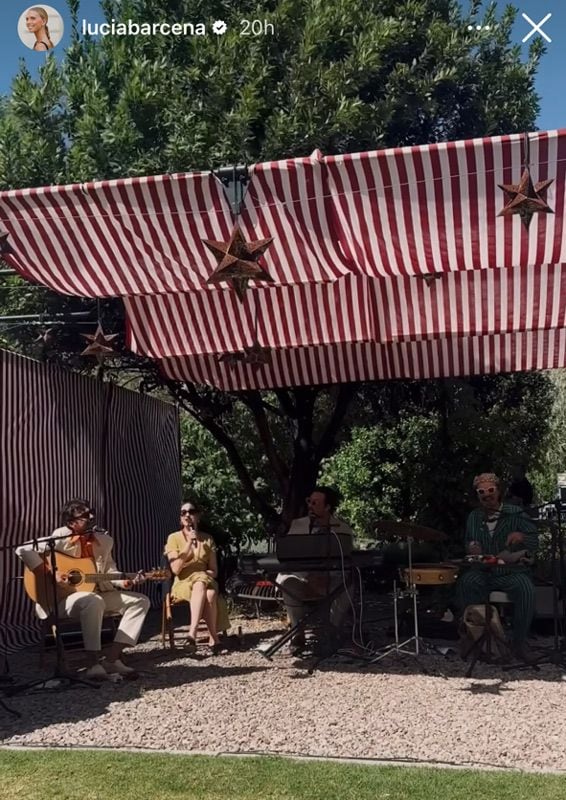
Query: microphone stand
[60, 676]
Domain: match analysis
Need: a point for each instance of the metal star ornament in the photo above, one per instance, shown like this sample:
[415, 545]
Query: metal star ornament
[99, 344]
[526, 198]
[231, 359]
[46, 337]
[238, 261]
[431, 279]
[254, 356]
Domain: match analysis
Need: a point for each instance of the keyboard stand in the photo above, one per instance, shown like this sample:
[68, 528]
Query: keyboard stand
[321, 606]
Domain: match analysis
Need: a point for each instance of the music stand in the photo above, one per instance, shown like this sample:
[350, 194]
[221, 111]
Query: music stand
[59, 672]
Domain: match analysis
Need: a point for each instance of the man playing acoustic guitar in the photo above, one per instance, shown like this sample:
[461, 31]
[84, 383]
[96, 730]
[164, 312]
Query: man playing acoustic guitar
[89, 607]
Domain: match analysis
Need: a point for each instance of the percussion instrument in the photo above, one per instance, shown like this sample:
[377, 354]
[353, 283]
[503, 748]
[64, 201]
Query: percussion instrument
[488, 563]
[430, 574]
[409, 530]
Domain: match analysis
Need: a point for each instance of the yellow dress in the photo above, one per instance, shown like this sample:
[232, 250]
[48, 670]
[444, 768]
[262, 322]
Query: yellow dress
[195, 571]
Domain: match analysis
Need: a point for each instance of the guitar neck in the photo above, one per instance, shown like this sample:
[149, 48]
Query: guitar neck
[110, 576]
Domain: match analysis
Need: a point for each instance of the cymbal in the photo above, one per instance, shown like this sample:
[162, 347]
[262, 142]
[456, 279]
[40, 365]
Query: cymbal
[407, 530]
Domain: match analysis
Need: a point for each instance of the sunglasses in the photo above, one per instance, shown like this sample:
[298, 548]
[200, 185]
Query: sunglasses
[185, 511]
[86, 515]
[483, 492]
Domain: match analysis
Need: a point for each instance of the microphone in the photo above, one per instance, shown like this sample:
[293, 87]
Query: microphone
[312, 520]
[97, 529]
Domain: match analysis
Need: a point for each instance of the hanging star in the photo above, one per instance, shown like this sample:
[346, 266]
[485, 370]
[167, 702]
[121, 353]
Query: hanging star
[431, 278]
[231, 359]
[46, 337]
[99, 344]
[256, 355]
[526, 198]
[238, 261]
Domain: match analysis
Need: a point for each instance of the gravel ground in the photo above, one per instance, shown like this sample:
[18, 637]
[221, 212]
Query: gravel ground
[240, 702]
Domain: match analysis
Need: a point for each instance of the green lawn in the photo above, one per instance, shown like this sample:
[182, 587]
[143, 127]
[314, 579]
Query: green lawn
[56, 775]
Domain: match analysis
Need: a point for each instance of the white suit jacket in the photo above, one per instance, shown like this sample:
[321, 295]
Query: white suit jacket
[102, 545]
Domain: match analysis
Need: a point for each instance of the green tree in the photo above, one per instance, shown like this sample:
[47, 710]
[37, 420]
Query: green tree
[339, 75]
[418, 462]
[552, 460]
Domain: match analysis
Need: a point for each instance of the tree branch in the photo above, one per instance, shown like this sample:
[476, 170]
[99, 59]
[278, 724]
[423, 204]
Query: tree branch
[253, 401]
[326, 443]
[286, 403]
[189, 399]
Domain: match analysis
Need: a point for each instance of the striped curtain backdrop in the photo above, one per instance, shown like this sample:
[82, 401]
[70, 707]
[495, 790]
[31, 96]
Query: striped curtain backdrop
[64, 435]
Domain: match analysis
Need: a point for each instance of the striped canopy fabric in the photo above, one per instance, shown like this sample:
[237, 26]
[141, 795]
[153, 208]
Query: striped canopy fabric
[371, 252]
[370, 361]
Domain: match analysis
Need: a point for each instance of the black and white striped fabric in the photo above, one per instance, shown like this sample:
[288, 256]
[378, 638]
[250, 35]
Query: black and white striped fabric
[63, 435]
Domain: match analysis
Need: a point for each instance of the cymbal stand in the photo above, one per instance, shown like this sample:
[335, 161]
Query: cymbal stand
[402, 647]
[60, 678]
[411, 592]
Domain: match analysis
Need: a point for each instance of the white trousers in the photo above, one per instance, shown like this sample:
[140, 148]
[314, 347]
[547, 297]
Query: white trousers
[89, 608]
[299, 590]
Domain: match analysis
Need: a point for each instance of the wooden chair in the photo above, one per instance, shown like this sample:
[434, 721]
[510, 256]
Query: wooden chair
[167, 623]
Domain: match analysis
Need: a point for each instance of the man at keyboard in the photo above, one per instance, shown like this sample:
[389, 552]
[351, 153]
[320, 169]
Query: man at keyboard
[302, 586]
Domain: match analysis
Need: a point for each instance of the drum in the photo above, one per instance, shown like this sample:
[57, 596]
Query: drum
[431, 574]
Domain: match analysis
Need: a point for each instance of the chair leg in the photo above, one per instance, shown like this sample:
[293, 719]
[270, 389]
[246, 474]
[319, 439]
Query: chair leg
[170, 627]
[163, 624]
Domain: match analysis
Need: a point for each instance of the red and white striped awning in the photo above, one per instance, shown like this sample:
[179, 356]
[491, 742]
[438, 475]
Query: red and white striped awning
[357, 241]
[351, 309]
[371, 361]
[408, 211]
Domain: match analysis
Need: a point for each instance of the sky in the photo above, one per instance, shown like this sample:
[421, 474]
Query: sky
[550, 81]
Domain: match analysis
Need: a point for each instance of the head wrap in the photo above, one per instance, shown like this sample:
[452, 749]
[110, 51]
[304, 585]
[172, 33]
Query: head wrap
[486, 477]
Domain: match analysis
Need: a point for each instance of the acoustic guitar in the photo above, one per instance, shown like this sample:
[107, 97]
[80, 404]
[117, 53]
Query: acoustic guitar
[76, 575]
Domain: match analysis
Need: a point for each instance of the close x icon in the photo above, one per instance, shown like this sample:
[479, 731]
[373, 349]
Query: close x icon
[537, 27]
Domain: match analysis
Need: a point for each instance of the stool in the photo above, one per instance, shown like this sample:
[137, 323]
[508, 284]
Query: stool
[491, 636]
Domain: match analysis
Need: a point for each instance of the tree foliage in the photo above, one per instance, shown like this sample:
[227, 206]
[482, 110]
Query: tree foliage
[339, 75]
[419, 460]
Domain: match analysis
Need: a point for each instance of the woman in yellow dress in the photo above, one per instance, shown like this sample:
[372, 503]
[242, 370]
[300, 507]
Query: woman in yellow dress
[192, 557]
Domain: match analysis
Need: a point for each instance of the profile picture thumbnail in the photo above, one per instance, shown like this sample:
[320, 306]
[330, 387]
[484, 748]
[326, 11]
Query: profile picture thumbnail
[40, 28]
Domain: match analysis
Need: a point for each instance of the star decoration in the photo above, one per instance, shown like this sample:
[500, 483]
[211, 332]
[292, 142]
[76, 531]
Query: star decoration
[238, 261]
[231, 359]
[255, 356]
[46, 337]
[431, 278]
[99, 344]
[526, 198]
